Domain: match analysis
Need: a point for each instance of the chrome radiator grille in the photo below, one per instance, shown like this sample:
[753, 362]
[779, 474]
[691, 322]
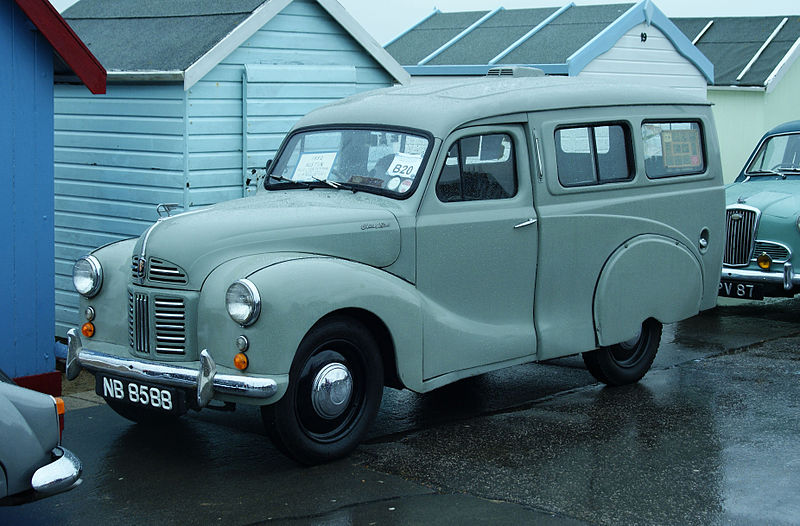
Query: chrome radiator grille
[165, 272]
[139, 321]
[167, 317]
[159, 271]
[740, 227]
[779, 253]
[170, 321]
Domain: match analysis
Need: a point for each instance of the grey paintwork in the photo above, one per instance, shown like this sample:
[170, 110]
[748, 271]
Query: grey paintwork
[453, 289]
[29, 443]
[442, 107]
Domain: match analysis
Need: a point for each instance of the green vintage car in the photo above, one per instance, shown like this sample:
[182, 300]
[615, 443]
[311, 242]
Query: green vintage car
[411, 237]
[763, 220]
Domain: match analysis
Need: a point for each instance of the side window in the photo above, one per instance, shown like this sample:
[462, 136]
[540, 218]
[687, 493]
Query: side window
[591, 155]
[478, 168]
[673, 148]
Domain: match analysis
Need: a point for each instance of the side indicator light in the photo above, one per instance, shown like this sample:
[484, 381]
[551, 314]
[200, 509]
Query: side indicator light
[88, 329]
[60, 409]
[240, 361]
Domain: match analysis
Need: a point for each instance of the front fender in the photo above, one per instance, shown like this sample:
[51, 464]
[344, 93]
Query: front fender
[111, 302]
[297, 290]
[649, 276]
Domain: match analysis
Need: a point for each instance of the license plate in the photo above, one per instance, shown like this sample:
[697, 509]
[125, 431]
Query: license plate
[745, 291]
[158, 398]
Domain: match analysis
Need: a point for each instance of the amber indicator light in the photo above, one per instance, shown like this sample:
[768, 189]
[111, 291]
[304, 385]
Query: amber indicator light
[60, 409]
[764, 261]
[88, 329]
[240, 361]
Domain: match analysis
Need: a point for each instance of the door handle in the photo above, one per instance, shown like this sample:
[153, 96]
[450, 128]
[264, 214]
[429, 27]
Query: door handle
[526, 223]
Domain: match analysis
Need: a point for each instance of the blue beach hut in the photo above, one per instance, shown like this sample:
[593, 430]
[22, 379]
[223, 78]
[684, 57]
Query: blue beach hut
[31, 31]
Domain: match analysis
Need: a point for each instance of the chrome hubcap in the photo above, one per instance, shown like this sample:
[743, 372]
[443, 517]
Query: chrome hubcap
[331, 390]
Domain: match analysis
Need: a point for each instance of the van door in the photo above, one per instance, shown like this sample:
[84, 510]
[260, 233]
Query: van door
[476, 252]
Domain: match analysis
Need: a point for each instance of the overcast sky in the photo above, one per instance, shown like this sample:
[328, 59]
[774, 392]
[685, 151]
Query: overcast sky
[385, 19]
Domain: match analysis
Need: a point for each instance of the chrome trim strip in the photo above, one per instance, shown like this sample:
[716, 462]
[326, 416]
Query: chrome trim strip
[783, 277]
[162, 373]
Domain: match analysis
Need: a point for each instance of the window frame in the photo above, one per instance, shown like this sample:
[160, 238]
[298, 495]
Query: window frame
[703, 148]
[334, 127]
[513, 159]
[630, 154]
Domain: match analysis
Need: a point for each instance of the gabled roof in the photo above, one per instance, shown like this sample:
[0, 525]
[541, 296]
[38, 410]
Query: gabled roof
[185, 39]
[65, 43]
[746, 51]
[558, 40]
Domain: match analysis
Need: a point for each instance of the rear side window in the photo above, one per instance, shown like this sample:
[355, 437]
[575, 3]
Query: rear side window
[673, 148]
[592, 155]
[479, 168]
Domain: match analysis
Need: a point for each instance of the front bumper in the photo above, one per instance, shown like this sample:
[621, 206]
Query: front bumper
[59, 475]
[204, 378]
[788, 279]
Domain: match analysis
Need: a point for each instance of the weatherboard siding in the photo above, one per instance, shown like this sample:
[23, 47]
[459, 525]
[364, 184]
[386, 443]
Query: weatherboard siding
[654, 61]
[116, 157]
[296, 64]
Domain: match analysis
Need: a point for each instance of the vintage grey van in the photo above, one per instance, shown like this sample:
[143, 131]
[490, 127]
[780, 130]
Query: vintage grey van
[411, 237]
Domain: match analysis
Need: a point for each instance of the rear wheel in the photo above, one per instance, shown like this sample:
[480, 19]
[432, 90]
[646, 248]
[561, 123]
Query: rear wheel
[626, 362]
[335, 389]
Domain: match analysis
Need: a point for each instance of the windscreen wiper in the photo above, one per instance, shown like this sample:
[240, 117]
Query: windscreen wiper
[283, 179]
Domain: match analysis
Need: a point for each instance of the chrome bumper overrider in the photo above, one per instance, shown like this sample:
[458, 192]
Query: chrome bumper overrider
[204, 379]
[59, 475]
[787, 278]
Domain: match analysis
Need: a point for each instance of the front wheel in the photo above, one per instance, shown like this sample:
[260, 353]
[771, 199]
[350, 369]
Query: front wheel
[335, 389]
[626, 362]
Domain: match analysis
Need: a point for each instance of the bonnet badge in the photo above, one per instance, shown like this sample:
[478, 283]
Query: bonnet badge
[141, 266]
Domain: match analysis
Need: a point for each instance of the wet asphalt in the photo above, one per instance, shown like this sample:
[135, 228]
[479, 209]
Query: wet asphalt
[710, 436]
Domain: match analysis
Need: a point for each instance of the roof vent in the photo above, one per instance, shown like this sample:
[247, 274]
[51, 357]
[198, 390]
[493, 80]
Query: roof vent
[515, 71]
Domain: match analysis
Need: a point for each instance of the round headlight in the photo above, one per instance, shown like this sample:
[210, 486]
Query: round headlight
[243, 302]
[87, 276]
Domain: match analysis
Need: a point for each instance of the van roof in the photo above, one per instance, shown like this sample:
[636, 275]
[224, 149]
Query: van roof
[440, 107]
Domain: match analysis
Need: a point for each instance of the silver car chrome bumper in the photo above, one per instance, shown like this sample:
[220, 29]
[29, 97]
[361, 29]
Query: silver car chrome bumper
[787, 278]
[205, 379]
[59, 475]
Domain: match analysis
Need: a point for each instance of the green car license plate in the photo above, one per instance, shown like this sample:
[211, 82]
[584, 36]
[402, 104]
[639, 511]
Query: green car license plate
[745, 291]
[157, 398]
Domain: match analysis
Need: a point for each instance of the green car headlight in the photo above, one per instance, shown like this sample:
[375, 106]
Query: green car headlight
[243, 302]
[87, 276]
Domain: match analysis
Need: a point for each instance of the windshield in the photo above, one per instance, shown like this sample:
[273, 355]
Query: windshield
[378, 161]
[778, 155]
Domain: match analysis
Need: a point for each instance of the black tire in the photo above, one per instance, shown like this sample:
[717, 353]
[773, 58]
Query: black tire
[313, 430]
[142, 415]
[626, 362]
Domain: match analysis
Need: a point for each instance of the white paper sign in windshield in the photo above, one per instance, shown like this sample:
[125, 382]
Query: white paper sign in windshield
[314, 166]
[404, 165]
